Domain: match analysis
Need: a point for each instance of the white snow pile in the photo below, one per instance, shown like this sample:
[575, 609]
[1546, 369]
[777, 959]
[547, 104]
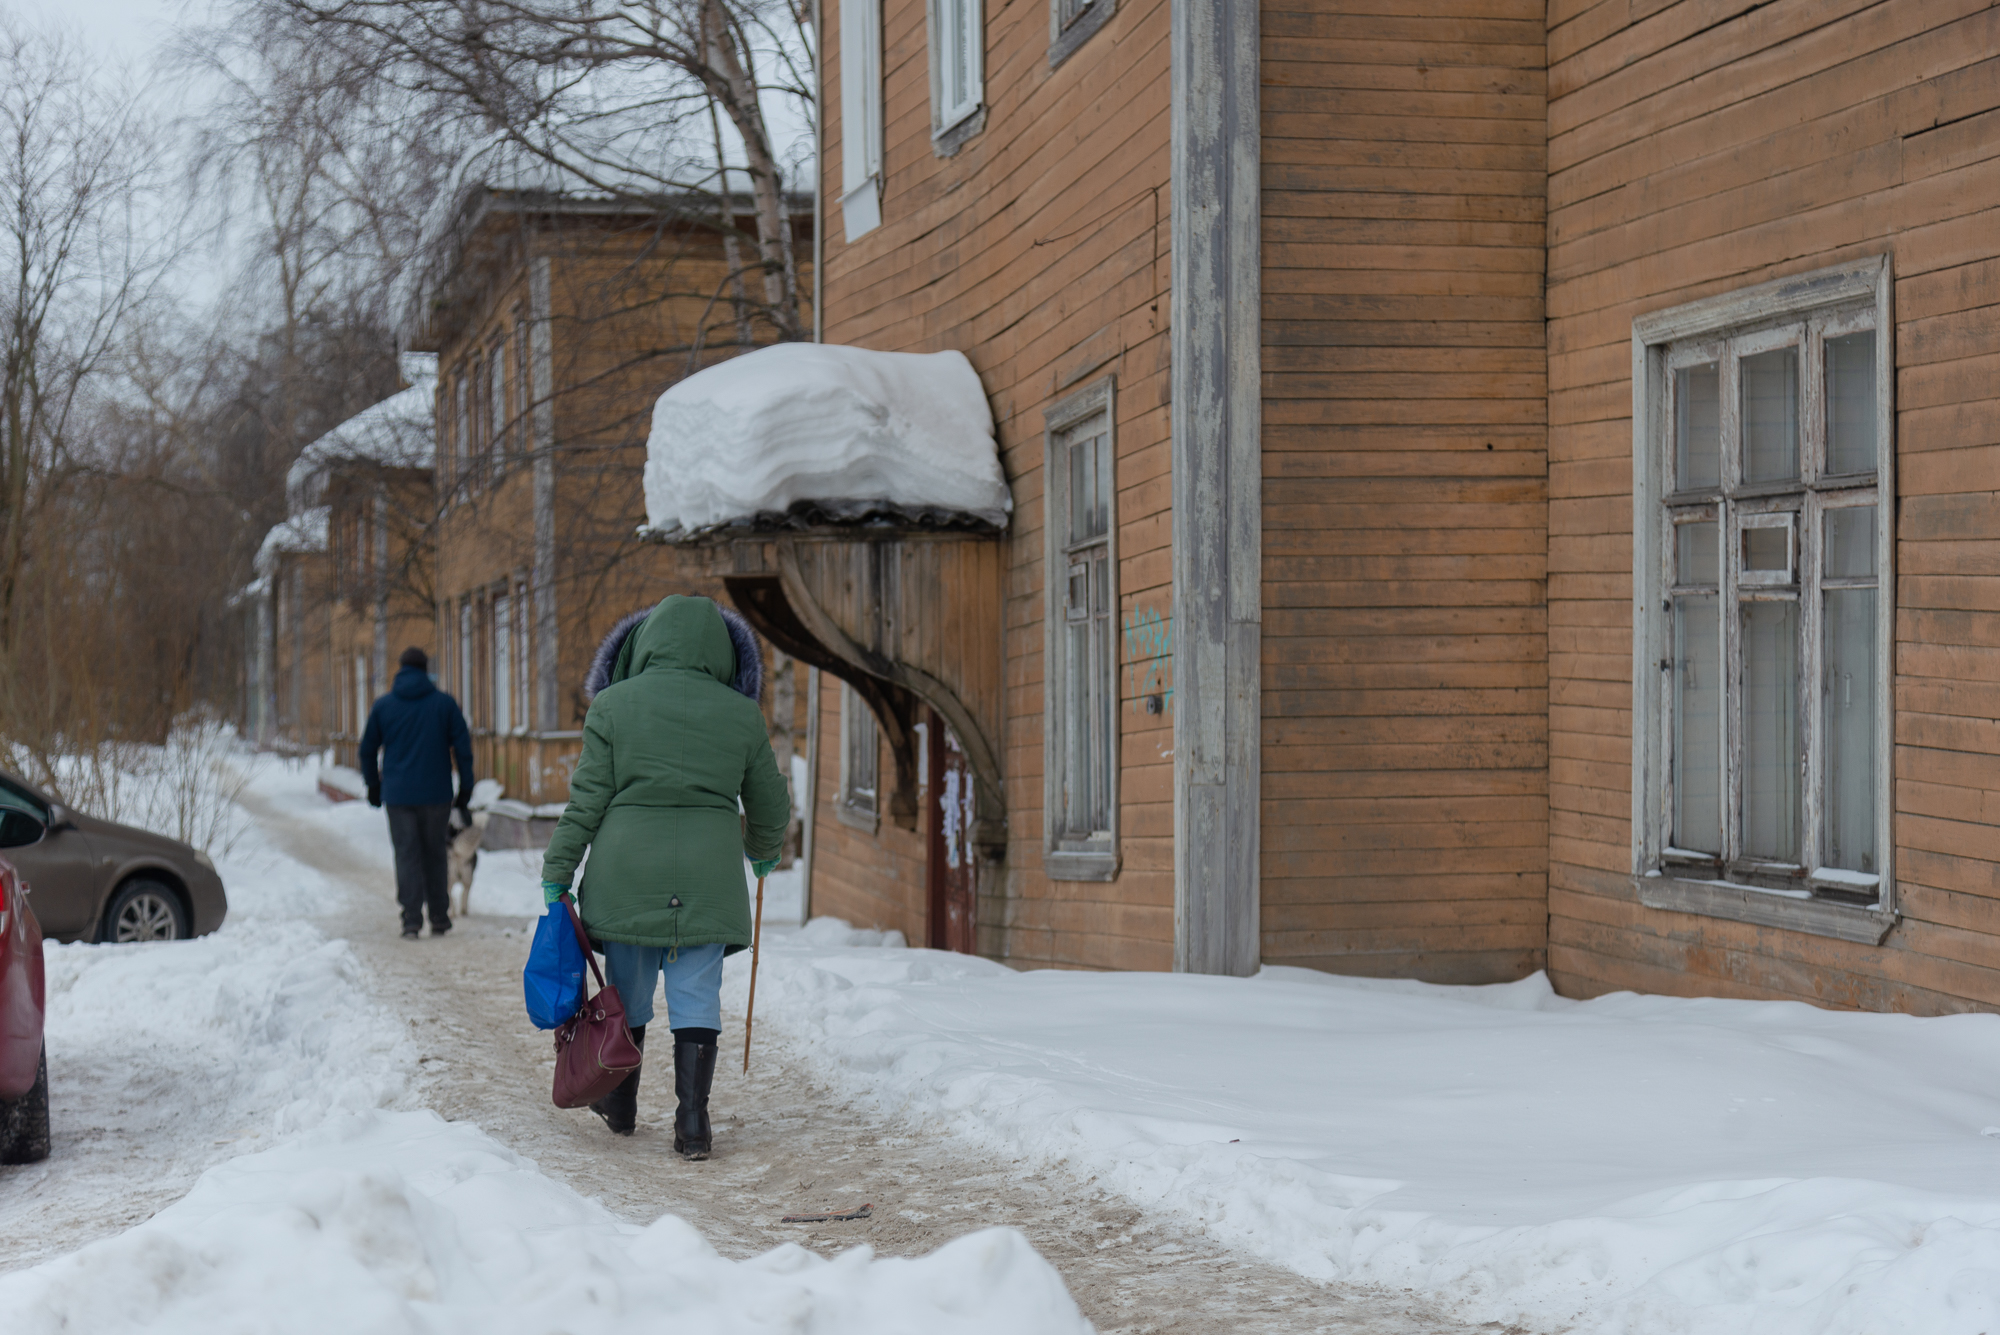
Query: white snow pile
[828, 432]
[395, 1223]
[398, 432]
[1636, 1164]
[165, 1059]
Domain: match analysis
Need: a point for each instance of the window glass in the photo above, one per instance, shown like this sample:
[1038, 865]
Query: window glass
[503, 664]
[1088, 672]
[1771, 730]
[1767, 550]
[1697, 556]
[1769, 640]
[1697, 724]
[1771, 415]
[1850, 729]
[1850, 403]
[1698, 428]
[861, 751]
[1850, 542]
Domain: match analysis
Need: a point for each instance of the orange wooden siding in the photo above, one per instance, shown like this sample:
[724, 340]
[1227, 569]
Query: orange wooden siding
[1405, 655]
[1040, 251]
[1693, 151]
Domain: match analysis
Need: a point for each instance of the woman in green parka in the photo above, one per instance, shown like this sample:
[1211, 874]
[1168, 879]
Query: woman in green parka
[674, 738]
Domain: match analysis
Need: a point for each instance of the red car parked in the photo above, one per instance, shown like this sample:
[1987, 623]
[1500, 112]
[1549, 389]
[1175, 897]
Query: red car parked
[24, 1067]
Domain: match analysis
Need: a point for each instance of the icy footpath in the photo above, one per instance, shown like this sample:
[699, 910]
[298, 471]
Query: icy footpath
[1631, 1164]
[401, 1222]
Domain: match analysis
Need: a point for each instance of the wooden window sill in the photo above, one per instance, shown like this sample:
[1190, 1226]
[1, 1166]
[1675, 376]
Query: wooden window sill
[860, 818]
[1064, 865]
[1065, 43]
[1766, 908]
[946, 142]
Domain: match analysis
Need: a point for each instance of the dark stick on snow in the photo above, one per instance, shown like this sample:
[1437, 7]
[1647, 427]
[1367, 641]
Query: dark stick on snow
[860, 1213]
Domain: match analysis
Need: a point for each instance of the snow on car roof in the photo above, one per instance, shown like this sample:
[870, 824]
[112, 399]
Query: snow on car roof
[812, 433]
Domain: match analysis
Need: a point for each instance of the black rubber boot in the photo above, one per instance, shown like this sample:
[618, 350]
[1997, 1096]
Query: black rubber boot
[694, 1072]
[620, 1108]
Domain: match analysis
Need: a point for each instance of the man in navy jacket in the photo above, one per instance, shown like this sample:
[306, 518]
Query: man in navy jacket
[419, 731]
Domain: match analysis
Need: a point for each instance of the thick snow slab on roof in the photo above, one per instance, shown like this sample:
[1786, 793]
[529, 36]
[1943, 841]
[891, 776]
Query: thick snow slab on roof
[398, 432]
[1643, 1165]
[813, 427]
[304, 532]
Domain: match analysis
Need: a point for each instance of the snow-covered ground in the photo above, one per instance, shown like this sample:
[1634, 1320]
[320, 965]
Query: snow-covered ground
[393, 1222]
[1632, 1164]
[249, 1083]
[166, 1059]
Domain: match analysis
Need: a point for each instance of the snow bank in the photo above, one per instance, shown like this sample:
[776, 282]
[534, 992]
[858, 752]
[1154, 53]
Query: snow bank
[817, 428]
[1629, 1164]
[402, 1222]
[165, 1059]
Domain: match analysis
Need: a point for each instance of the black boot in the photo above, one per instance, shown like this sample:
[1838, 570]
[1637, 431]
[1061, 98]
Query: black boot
[694, 1072]
[620, 1108]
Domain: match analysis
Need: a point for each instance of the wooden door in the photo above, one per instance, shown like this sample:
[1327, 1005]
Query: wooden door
[952, 875]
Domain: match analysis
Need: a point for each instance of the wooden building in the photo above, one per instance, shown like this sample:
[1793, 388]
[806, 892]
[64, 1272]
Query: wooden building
[344, 582]
[374, 474]
[286, 615]
[557, 320]
[1444, 368]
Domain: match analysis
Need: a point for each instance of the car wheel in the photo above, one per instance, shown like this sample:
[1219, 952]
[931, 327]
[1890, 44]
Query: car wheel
[144, 911]
[24, 1122]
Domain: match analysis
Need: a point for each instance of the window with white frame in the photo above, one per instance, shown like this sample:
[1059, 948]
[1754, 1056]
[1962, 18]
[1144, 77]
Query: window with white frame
[503, 664]
[1764, 497]
[860, 761]
[465, 668]
[860, 116]
[1080, 639]
[958, 54]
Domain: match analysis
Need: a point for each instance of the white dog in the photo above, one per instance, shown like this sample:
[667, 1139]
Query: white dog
[466, 830]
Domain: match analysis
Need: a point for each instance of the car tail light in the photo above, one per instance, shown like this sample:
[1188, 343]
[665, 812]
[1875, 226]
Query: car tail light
[9, 887]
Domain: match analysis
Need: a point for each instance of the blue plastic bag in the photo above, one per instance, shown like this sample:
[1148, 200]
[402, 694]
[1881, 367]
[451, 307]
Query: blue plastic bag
[552, 981]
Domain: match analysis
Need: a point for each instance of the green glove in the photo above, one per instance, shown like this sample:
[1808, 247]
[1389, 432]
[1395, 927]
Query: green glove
[763, 867]
[552, 891]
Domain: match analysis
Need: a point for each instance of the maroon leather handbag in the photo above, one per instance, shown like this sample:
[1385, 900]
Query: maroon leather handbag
[594, 1050]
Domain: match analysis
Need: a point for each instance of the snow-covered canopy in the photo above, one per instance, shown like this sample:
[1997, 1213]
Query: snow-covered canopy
[305, 532]
[816, 432]
[398, 432]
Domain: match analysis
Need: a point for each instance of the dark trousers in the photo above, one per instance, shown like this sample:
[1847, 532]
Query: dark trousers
[422, 836]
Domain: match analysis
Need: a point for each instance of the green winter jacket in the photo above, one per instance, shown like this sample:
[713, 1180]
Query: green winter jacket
[667, 749]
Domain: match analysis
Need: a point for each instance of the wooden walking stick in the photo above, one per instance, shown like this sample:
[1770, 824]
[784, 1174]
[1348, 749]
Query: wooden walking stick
[750, 1011]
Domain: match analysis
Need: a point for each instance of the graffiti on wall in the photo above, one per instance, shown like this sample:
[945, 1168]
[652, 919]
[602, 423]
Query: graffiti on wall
[1149, 660]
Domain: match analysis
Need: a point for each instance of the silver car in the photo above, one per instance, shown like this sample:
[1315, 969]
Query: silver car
[97, 880]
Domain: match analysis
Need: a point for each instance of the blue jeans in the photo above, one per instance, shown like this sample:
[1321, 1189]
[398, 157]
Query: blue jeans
[694, 982]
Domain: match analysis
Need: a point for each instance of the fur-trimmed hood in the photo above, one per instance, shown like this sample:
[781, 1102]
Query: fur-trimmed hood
[613, 660]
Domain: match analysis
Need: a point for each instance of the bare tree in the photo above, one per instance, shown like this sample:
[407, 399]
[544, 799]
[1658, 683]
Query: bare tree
[81, 248]
[612, 99]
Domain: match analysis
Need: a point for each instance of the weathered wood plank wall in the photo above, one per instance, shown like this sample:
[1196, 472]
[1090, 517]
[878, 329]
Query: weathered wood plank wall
[1039, 250]
[1405, 669]
[1696, 148]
